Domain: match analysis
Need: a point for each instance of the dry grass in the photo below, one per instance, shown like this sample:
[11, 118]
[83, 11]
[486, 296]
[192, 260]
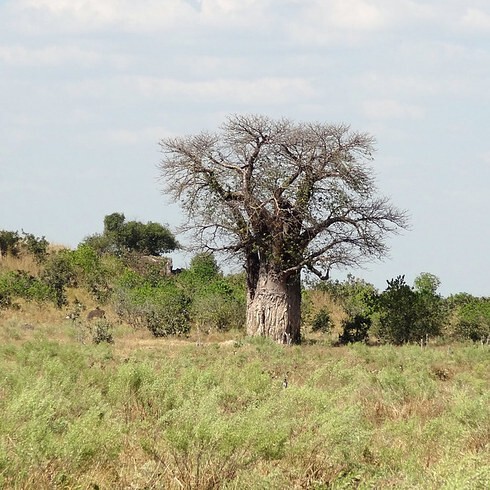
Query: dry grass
[174, 414]
[319, 300]
[25, 263]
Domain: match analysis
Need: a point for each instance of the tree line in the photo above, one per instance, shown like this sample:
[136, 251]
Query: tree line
[142, 291]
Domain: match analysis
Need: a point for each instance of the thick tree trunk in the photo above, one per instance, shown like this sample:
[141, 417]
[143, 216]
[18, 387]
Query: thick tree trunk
[274, 308]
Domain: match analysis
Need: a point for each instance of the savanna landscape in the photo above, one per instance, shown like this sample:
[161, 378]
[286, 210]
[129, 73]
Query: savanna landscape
[387, 389]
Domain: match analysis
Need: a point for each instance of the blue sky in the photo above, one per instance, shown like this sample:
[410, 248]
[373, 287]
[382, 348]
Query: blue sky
[89, 87]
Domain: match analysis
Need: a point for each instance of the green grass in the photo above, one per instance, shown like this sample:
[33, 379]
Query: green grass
[217, 416]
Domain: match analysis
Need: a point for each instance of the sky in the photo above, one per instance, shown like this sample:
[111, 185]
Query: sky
[89, 87]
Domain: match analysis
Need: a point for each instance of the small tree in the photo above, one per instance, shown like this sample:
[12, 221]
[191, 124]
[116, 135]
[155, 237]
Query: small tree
[321, 321]
[9, 242]
[284, 197]
[355, 329]
[397, 307]
[121, 236]
[37, 246]
[58, 274]
[471, 316]
[410, 314]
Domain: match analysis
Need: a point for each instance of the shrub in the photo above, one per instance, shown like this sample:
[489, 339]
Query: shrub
[36, 246]
[90, 272]
[217, 311]
[20, 284]
[354, 294]
[166, 313]
[162, 309]
[12, 243]
[355, 330]
[217, 302]
[9, 242]
[102, 332]
[407, 314]
[322, 322]
[473, 320]
[58, 274]
[5, 292]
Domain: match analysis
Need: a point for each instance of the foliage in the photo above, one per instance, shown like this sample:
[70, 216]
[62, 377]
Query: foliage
[163, 309]
[355, 299]
[36, 246]
[407, 314]
[13, 243]
[121, 236]
[354, 294]
[58, 274]
[20, 284]
[355, 329]
[9, 242]
[321, 321]
[427, 283]
[204, 267]
[102, 332]
[91, 271]
[472, 317]
[217, 302]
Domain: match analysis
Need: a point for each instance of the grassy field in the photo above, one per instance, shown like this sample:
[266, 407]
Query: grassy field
[147, 413]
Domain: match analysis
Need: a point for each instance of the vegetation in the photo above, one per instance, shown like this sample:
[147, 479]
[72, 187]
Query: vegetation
[121, 236]
[410, 314]
[285, 197]
[109, 403]
[175, 415]
[15, 243]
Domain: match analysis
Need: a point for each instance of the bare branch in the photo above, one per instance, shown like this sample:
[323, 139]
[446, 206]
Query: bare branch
[295, 195]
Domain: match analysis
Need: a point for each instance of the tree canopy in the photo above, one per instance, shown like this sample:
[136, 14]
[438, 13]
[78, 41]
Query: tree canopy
[121, 236]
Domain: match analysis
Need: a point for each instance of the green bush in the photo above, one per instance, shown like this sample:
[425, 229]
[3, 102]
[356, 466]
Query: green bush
[163, 309]
[20, 284]
[5, 291]
[91, 272]
[9, 242]
[473, 320]
[354, 294]
[36, 246]
[216, 301]
[217, 311]
[58, 274]
[121, 236]
[322, 322]
[355, 330]
[102, 332]
[13, 243]
[407, 314]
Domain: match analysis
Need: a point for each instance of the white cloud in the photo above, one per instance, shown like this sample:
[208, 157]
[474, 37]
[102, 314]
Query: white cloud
[136, 136]
[391, 109]
[388, 84]
[476, 19]
[320, 22]
[56, 55]
[266, 90]
[96, 14]
[355, 14]
[148, 15]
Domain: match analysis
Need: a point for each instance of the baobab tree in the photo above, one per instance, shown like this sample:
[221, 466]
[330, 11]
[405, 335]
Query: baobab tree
[285, 197]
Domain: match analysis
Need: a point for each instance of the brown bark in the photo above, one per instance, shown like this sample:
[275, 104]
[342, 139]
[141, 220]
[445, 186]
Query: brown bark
[274, 308]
